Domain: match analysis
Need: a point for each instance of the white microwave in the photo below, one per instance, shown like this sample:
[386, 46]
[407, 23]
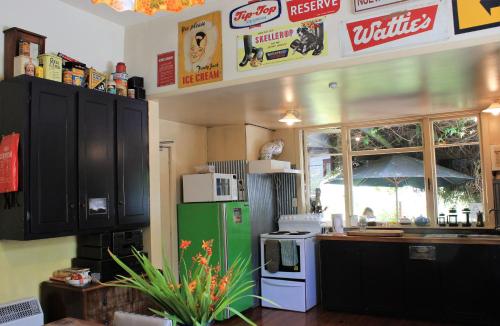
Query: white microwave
[209, 187]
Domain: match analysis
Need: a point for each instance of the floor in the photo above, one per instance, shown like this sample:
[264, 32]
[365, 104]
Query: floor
[319, 317]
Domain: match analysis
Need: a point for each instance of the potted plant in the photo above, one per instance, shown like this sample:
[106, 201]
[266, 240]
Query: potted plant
[204, 291]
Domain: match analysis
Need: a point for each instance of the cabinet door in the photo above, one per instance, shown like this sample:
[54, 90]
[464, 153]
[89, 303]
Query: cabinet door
[96, 147]
[133, 162]
[341, 275]
[382, 277]
[466, 274]
[53, 165]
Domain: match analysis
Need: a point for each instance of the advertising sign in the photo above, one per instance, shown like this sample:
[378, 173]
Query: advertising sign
[474, 15]
[166, 69]
[200, 50]
[299, 10]
[404, 28]
[362, 5]
[255, 13]
[275, 45]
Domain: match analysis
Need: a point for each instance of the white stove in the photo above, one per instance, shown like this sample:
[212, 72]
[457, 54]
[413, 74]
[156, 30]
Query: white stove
[292, 282]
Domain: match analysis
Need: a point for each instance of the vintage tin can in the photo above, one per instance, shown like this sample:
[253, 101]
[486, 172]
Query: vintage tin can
[39, 72]
[97, 80]
[68, 77]
[121, 83]
[52, 66]
[131, 93]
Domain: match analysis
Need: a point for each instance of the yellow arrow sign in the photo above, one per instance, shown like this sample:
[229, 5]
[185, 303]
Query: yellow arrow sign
[473, 15]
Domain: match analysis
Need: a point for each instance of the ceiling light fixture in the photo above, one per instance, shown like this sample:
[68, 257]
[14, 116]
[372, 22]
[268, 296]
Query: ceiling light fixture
[290, 118]
[494, 108]
[150, 7]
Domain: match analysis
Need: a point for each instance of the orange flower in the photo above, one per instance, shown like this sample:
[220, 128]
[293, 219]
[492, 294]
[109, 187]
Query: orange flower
[192, 286]
[202, 261]
[206, 244]
[223, 284]
[185, 244]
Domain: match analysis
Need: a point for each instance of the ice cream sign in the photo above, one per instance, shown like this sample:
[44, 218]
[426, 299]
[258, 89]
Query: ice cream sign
[255, 13]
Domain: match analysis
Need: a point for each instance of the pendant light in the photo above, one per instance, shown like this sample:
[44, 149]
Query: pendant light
[494, 108]
[290, 118]
[150, 7]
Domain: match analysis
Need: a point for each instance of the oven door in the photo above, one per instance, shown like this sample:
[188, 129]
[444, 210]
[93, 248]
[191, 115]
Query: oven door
[297, 272]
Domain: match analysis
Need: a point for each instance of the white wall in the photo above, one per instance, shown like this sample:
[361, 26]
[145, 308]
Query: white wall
[91, 39]
[143, 42]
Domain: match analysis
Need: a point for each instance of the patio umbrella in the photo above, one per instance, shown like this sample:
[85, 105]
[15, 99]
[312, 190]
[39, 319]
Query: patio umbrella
[399, 171]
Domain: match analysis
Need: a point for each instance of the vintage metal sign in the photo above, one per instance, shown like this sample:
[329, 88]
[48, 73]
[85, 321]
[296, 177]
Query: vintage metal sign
[166, 69]
[200, 50]
[296, 41]
[255, 13]
[409, 27]
[474, 15]
[362, 5]
[299, 10]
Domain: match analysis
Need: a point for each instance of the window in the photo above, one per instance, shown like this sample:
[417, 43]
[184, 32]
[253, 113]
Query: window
[388, 186]
[458, 166]
[393, 170]
[325, 170]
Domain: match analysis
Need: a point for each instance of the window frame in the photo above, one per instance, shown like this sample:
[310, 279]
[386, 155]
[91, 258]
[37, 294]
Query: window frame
[427, 149]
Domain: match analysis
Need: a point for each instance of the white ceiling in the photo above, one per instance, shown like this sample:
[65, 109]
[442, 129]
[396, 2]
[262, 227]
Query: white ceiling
[448, 81]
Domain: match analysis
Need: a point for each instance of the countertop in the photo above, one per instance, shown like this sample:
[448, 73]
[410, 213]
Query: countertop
[418, 238]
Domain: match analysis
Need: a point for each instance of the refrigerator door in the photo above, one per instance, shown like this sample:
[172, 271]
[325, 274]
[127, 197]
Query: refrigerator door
[237, 230]
[197, 222]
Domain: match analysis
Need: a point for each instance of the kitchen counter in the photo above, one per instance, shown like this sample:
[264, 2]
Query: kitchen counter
[473, 239]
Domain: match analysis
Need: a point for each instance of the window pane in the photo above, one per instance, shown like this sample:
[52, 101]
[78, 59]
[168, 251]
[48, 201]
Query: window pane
[460, 182]
[391, 186]
[327, 141]
[456, 131]
[383, 137]
[324, 149]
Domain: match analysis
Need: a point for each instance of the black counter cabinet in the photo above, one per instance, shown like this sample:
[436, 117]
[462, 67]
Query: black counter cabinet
[83, 160]
[442, 282]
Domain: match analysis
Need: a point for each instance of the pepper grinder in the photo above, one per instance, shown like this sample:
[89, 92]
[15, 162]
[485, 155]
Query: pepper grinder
[480, 220]
[466, 211]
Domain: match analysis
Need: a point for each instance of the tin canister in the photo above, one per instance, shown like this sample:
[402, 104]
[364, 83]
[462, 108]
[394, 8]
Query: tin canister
[39, 72]
[68, 76]
[131, 93]
[97, 80]
[121, 83]
[52, 66]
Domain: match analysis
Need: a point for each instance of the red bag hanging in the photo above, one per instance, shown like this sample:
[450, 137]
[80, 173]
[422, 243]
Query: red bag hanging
[9, 163]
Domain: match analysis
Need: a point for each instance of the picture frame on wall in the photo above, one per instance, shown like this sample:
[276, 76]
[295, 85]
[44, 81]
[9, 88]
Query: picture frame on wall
[495, 157]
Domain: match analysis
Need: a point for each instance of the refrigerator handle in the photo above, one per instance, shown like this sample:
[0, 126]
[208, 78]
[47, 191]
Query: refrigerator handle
[224, 236]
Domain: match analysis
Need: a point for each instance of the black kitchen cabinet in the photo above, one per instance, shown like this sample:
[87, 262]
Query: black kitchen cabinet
[81, 154]
[97, 160]
[442, 282]
[53, 159]
[133, 162]
[381, 277]
[467, 277]
[341, 276]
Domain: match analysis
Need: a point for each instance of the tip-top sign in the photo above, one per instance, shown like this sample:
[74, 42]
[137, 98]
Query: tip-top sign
[255, 13]
[299, 10]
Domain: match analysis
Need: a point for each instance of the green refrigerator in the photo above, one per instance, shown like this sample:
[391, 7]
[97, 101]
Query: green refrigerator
[228, 224]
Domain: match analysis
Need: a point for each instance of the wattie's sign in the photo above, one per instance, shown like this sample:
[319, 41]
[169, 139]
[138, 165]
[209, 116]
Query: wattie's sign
[376, 31]
[299, 10]
[255, 13]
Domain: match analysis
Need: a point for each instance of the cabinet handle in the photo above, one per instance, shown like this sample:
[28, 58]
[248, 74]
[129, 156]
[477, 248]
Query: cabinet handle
[83, 205]
[72, 206]
[120, 203]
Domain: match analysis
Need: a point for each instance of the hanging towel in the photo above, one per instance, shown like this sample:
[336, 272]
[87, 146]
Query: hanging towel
[272, 255]
[289, 257]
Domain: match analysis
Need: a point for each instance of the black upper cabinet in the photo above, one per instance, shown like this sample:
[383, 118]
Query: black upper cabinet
[53, 160]
[133, 162]
[82, 153]
[96, 147]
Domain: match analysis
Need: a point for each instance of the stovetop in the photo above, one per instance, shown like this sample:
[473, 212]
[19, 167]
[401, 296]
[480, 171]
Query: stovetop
[288, 235]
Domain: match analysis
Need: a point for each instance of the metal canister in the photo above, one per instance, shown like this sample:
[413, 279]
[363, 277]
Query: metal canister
[68, 76]
[131, 93]
[39, 72]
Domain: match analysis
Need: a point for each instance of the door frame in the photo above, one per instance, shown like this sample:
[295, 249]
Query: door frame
[169, 223]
